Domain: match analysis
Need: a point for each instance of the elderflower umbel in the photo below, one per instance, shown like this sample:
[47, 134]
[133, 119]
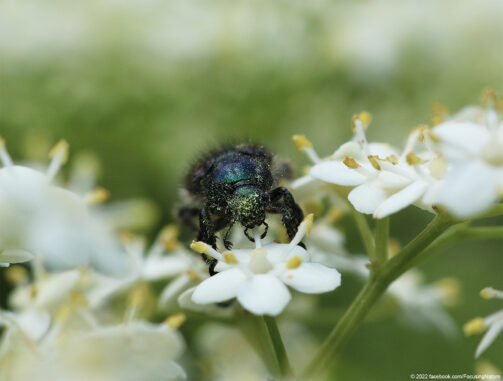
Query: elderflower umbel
[258, 277]
[472, 142]
[40, 217]
[492, 323]
[384, 182]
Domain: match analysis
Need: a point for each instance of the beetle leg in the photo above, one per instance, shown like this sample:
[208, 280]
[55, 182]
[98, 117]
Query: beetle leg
[207, 235]
[252, 239]
[282, 202]
[227, 243]
[264, 234]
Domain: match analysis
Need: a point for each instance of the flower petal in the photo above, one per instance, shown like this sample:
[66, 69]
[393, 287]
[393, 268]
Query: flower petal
[312, 278]
[402, 199]
[337, 172]
[489, 337]
[220, 287]
[264, 294]
[469, 189]
[15, 256]
[367, 197]
[461, 139]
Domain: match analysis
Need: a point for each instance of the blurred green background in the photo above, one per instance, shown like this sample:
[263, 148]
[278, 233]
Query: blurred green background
[148, 85]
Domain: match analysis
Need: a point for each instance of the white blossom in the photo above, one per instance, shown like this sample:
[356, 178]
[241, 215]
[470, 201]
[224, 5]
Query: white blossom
[258, 277]
[384, 182]
[492, 323]
[472, 142]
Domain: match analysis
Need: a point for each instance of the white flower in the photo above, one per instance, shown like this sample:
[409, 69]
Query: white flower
[40, 217]
[258, 277]
[9, 256]
[472, 142]
[384, 182]
[492, 323]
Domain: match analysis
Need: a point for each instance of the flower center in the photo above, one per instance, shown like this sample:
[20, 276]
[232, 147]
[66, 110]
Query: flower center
[259, 264]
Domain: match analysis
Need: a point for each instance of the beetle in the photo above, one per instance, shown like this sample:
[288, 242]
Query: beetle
[237, 184]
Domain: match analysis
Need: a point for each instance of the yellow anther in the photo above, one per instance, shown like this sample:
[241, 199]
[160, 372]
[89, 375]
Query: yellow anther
[487, 293]
[309, 220]
[175, 321]
[78, 299]
[450, 289]
[392, 159]
[2, 142]
[474, 326]
[364, 117]
[335, 214]
[421, 129]
[488, 97]
[98, 196]
[16, 275]
[350, 162]
[230, 258]
[438, 167]
[374, 161]
[33, 291]
[193, 275]
[301, 142]
[63, 313]
[294, 262]
[169, 237]
[200, 247]
[439, 113]
[61, 147]
[412, 158]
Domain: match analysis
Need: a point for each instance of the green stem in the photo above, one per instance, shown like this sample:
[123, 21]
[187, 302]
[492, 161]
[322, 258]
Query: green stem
[382, 235]
[371, 292]
[495, 211]
[365, 232]
[277, 343]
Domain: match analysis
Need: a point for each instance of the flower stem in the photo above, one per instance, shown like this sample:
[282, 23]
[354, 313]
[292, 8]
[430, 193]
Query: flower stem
[371, 292]
[382, 235]
[365, 232]
[278, 345]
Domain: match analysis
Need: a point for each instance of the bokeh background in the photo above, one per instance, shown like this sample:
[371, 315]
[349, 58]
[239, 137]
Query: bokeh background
[146, 86]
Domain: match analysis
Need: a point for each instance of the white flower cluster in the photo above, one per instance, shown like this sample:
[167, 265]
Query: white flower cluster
[458, 166]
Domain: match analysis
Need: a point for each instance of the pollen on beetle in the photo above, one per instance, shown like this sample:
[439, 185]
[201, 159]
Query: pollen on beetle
[230, 258]
[413, 159]
[301, 142]
[474, 326]
[175, 321]
[97, 196]
[374, 161]
[350, 162]
[294, 262]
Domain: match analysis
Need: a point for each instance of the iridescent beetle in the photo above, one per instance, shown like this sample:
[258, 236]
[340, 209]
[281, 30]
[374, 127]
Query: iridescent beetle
[236, 184]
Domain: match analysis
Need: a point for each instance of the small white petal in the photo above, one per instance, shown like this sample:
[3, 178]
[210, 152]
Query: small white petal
[164, 267]
[382, 150]
[367, 197]
[264, 294]
[220, 287]
[15, 256]
[392, 180]
[312, 278]
[469, 189]
[462, 137]
[337, 172]
[351, 148]
[489, 337]
[402, 199]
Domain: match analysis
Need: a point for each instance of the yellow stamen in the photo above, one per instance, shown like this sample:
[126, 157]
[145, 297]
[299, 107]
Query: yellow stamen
[413, 159]
[230, 258]
[490, 293]
[350, 162]
[392, 159]
[374, 161]
[301, 142]
[309, 220]
[488, 97]
[422, 129]
[62, 148]
[450, 289]
[78, 299]
[98, 196]
[2, 143]
[440, 111]
[175, 321]
[474, 326]
[16, 275]
[169, 237]
[294, 262]
[200, 247]
[364, 117]
[193, 275]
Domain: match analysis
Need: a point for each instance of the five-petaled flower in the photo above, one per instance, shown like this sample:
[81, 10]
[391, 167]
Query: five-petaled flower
[258, 277]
